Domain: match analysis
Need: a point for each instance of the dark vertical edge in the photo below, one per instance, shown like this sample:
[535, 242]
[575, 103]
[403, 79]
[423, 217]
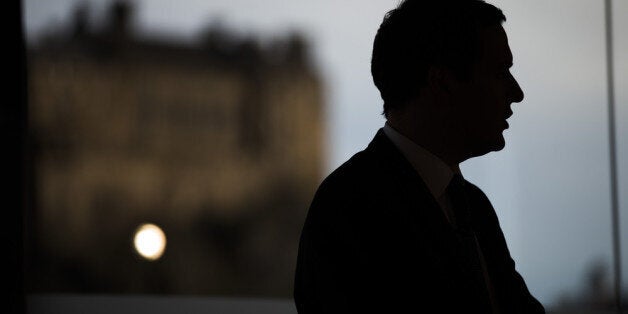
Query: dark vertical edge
[613, 155]
[13, 117]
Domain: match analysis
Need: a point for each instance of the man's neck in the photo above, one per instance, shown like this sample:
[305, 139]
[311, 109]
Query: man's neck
[433, 138]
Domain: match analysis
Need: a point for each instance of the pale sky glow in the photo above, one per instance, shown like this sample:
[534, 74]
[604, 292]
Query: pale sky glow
[550, 184]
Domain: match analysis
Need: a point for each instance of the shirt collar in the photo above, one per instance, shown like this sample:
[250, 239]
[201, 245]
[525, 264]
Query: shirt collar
[435, 173]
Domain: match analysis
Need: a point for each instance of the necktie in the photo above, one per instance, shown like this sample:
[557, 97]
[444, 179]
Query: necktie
[464, 231]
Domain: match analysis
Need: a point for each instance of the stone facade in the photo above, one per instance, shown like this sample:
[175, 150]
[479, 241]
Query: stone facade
[220, 143]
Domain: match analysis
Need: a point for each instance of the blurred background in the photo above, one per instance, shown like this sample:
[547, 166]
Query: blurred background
[176, 145]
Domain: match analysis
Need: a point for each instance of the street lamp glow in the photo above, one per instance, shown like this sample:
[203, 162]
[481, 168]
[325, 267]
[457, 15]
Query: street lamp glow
[149, 241]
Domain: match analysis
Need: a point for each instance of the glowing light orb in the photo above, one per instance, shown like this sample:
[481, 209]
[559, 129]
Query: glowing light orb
[149, 241]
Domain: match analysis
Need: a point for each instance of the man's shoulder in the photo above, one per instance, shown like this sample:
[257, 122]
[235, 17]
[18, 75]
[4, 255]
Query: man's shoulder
[474, 190]
[360, 172]
[476, 195]
[365, 168]
[485, 213]
[344, 200]
[374, 182]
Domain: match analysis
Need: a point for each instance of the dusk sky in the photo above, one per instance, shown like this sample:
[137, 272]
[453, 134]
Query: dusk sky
[550, 185]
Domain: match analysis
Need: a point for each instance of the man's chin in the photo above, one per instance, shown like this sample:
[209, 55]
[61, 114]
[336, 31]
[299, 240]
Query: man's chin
[494, 145]
[500, 143]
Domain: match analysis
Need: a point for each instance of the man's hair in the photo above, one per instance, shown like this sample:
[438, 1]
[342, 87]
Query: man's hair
[419, 34]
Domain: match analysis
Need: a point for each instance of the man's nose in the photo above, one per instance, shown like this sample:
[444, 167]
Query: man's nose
[516, 91]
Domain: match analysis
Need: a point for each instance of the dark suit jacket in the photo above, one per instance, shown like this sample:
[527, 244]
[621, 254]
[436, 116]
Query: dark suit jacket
[376, 240]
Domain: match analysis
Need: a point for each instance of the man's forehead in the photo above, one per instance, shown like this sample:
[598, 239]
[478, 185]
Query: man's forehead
[495, 49]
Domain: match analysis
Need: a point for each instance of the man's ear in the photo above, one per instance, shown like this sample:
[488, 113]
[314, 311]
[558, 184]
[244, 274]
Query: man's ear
[444, 85]
[439, 80]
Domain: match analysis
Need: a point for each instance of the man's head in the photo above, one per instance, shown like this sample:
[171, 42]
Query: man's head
[453, 54]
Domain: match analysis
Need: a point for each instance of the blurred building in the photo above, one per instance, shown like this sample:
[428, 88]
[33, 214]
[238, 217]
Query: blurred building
[219, 143]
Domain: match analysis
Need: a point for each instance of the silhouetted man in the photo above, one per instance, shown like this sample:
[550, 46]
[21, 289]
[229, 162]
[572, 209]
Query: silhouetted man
[397, 228]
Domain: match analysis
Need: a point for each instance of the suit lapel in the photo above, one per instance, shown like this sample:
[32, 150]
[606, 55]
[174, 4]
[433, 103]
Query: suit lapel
[419, 207]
